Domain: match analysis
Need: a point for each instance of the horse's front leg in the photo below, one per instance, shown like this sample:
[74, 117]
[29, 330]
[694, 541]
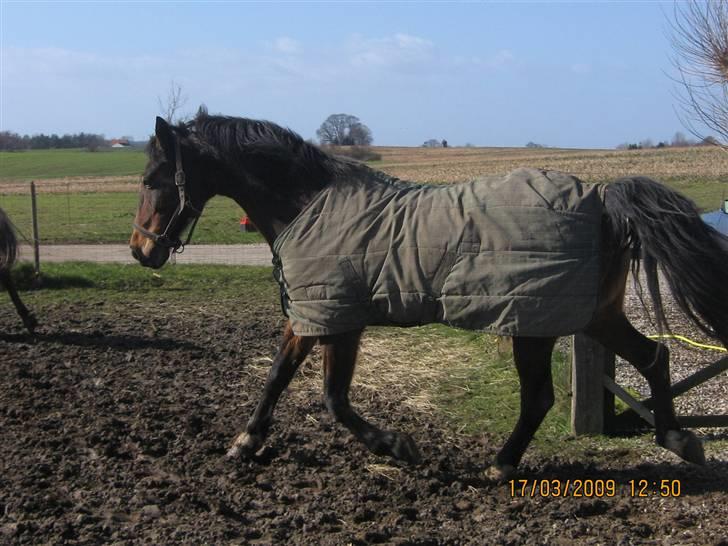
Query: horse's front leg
[533, 361]
[291, 354]
[339, 354]
[26, 316]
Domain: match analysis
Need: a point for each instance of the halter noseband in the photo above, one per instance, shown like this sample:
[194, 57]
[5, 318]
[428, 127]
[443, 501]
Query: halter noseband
[164, 239]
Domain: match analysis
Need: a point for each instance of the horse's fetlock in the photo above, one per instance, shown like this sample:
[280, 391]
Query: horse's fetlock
[685, 445]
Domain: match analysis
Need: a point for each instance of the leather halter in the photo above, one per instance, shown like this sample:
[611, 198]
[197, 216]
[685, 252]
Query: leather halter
[165, 240]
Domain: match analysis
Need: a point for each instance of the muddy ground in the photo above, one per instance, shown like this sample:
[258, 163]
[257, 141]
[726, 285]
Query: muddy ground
[115, 420]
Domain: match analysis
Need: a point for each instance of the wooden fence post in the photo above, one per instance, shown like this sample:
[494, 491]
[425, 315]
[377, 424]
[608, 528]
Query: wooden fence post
[36, 239]
[592, 406]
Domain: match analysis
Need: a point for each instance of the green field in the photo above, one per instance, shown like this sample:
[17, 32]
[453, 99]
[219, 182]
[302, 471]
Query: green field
[41, 164]
[107, 218]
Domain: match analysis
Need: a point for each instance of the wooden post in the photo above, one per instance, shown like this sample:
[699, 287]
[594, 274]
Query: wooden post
[590, 402]
[36, 239]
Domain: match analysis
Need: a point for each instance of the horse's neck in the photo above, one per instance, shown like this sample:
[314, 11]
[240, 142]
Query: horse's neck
[272, 209]
[269, 210]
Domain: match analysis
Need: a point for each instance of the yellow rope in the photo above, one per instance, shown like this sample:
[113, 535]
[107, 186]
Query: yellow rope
[689, 342]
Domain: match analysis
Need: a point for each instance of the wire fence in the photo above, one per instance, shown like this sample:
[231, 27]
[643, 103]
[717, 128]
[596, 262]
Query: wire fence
[79, 220]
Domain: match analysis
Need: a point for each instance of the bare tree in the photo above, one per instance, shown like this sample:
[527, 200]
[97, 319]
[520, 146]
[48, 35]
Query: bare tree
[360, 135]
[344, 130]
[173, 103]
[700, 44]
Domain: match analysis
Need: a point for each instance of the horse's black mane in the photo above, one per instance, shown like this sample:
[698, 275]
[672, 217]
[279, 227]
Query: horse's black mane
[265, 150]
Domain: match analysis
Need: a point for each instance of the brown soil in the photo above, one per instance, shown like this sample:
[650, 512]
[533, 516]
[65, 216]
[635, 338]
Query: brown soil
[115, 421]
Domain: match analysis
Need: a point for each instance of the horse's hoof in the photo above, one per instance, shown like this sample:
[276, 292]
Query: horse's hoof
[30, 324]
[499, 473]
[685, 445]
[405, 449]
[244, 446]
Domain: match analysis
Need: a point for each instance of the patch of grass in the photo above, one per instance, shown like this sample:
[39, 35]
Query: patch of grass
[485, 395]
[107, 218]
[707, 194]
[40, 164]
[127, 283]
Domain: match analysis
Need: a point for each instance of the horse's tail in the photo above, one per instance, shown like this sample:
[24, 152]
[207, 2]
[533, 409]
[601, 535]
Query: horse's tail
[692, 256]
[8, 242]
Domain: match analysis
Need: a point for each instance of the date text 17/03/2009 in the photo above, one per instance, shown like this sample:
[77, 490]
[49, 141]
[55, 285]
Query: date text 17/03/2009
[589, 488]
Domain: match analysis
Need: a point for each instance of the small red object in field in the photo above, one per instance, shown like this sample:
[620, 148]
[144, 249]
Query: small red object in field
[246, 224]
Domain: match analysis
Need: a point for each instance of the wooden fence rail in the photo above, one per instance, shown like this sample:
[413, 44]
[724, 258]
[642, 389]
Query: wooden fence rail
[594, 388]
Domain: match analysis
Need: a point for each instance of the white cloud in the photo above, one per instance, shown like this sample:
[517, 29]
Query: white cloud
[501, 58]
[392, 51]
[287, 46]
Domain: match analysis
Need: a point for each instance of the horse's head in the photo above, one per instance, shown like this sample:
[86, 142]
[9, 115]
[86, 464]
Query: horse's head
[167, 201]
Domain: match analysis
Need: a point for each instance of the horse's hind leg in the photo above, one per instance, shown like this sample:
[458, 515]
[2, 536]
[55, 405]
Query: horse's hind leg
[26, 316]
[292, 352]
[339, 352]
[652, 360]
[532, 356]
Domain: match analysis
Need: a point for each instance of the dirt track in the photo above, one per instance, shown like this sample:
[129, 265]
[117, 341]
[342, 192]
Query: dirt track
[252, 254]
[114, 426]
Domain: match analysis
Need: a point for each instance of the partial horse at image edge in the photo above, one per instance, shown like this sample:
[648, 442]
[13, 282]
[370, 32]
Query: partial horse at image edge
[8, 255]
[273, 174]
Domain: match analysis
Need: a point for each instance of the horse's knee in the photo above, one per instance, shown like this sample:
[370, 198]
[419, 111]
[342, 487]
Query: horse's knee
[542, 403]
[547, 398]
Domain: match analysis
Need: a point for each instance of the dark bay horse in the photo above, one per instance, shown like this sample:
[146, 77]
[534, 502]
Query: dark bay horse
[8, 253]
[274, 175]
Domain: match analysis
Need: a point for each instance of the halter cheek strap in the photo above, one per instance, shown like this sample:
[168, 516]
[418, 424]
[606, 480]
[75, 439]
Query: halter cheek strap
[185, 205]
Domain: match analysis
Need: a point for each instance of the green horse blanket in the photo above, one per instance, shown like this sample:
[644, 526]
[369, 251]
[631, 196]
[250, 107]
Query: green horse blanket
[515, 254]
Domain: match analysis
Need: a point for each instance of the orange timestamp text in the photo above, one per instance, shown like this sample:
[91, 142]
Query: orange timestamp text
[590, 488]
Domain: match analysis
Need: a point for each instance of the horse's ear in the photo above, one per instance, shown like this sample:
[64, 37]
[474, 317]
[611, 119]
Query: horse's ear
[165, 136]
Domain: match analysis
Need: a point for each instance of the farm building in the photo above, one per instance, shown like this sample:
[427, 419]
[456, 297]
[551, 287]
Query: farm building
[120, 143]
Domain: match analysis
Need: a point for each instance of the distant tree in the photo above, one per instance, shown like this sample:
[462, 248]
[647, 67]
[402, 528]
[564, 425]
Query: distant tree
[680, 140]
[709, 141]
[94, 142]
[534, 145]
[344, 130]
[432, 143]
[647, 143]
[11, 141]
[444, 143]
[170, 106]
[359, 135]
[469, 145]
[661, 144]
[700, 46]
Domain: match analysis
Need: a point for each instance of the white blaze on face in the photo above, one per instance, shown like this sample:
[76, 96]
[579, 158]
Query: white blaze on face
[147, 247]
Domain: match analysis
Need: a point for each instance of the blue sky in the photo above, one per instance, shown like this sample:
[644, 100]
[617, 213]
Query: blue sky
[573, 74]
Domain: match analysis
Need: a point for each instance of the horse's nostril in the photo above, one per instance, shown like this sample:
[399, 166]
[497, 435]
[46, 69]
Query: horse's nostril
[135, 253]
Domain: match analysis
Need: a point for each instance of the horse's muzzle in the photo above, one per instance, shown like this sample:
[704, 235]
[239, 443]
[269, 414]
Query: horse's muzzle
[156, 258]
